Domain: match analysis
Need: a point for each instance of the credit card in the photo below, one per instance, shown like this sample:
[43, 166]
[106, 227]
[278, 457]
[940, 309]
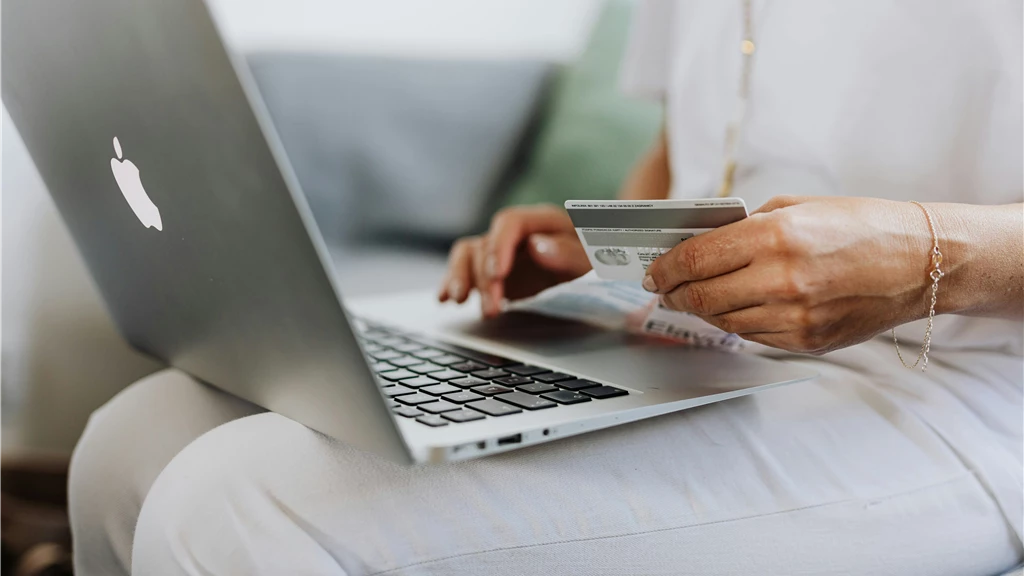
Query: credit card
[622, 237]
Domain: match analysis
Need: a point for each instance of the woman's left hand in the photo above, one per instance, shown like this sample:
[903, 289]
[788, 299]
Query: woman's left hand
[804, 274]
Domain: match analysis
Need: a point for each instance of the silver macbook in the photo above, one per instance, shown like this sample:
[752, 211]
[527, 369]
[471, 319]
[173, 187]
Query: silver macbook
[161, 159]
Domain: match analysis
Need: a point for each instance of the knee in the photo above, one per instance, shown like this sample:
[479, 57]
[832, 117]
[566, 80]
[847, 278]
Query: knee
[105, 484]
[214, 505]
[108, 466]
[125, 445]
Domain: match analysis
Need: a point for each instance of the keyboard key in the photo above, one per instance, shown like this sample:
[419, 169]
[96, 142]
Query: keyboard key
[490, 389]
[524, 400]
[447, 360]
[428, 353]
[527, 370]
[438, 407]
[392, 391]
[374, 333]
[408, 347]
[490, 373]
[426, 368]
[439, 389]
[390, 341]
[467, 366]
[467, 382]
[405, 361]
[419, 382]
[566, 397]
[415, 399]
[446, 375]
[385, 354]
[432, 420]
[393, 404]
[494, 408]
[552, 377]
[577, 384]
[537, 388]
[513, 380]
[371, 348]
[381, 367]
[602, 392]
[397, 375]
[463, 415]
[407, 411]
[463, 397]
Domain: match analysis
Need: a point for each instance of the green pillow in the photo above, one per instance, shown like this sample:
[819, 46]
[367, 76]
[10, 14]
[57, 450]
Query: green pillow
[591, 133]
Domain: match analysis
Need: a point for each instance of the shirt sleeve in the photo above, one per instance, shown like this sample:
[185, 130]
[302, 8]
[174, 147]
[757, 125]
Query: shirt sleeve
[646, 62]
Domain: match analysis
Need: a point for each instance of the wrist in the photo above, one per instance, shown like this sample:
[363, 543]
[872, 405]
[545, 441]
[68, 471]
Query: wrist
[982, 263]
[956, 250]
[958, 257]
[914, 249]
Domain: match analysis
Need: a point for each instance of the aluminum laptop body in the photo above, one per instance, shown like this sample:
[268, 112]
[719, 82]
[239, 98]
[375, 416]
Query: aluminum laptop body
[160, 157]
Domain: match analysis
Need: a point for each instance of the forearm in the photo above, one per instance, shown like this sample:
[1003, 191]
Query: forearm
[983, 259]
[650, 178]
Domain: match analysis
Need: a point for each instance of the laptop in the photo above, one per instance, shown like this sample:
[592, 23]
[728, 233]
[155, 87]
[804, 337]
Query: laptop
[160, 157]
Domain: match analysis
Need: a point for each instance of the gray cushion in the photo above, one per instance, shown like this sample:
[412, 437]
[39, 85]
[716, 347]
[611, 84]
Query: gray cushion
[398, 147]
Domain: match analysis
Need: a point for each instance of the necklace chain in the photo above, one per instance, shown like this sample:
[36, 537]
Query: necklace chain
[732, 132]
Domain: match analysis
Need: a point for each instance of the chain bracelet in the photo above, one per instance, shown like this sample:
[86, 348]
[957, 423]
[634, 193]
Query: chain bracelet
[935, 274]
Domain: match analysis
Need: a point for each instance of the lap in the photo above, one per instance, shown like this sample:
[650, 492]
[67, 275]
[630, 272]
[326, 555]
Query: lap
[840, 474]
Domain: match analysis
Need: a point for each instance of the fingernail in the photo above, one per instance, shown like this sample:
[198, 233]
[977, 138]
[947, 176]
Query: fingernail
[485, 302]
[455, 289]
[491, 266]
[543, 245]
[649, 284]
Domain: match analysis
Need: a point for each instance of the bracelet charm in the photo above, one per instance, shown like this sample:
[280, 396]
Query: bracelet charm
[935, 274]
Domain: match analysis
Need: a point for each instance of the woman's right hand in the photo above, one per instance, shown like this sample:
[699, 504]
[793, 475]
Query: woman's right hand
[526, 249]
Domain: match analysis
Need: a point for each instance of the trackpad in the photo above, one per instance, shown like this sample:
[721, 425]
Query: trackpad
[639, 362]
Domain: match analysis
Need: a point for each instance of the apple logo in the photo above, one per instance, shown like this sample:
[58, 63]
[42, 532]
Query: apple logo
[127, 176]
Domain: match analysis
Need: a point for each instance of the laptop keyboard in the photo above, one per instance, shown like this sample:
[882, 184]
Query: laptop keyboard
[438, 384]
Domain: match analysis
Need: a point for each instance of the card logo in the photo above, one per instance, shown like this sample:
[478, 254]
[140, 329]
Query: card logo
[612, 256]
[127, 176]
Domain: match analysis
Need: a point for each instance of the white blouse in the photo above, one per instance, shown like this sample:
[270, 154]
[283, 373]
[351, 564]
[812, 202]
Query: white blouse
[905, 100]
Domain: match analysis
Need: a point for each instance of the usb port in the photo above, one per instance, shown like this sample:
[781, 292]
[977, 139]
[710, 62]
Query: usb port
[514, 439]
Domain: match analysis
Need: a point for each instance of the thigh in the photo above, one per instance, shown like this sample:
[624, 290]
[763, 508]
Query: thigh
[825, 477]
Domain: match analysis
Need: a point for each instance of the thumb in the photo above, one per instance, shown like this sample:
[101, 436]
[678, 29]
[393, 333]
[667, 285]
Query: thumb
[560, 253]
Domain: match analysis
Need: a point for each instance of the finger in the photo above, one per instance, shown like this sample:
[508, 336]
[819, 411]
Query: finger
[711, 254]
[767, 319]
[511, 227]
[743, 288]
[783, 341]
[772, 339]
[490, 290]
[794, 341]
[458, 279]
[560, 253]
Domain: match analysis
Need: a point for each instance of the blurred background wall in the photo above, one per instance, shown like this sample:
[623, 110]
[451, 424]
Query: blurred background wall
[62, 358]
[546, 29]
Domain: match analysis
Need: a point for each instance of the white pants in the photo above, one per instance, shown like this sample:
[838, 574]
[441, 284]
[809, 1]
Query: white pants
[866, 470]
